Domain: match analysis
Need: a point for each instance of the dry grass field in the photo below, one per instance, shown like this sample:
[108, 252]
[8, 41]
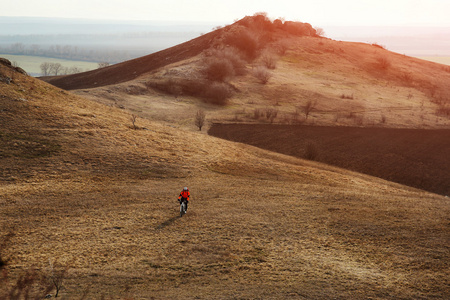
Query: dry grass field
[83, 191]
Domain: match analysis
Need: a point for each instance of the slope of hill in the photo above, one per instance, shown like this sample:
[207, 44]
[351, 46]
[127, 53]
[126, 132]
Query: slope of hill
[82, 191]
[310, 81]
[343, 83]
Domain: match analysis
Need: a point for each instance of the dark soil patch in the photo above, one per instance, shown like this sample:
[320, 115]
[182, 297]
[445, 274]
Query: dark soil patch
[415, 157]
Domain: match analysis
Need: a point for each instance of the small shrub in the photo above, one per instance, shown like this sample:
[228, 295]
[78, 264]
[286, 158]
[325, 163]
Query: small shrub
[217, 93]
[271, 114]
[218, 69]
[269, 60]
[344, 96]
[299, 28]
[262, 74]
[282, 47]
[245, 41]
[179, 86]
[443, 111]
[311, 151]
[257, 113]
[379, 46]
[231, 54]
[407, 78]
[383, 63]
[319, 31]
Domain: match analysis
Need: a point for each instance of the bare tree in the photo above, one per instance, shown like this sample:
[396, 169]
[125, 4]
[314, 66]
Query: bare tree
[103, 64]
[200, 119]
[320, 31]
[74, 70]
[45, 68]
[56, 68]
[56, 275]
[133, 120]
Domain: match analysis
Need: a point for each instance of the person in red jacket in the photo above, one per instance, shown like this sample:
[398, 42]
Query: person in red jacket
[184, 196]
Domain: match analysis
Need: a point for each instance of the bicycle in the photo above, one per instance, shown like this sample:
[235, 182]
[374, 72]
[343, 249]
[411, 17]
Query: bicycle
[182, 207]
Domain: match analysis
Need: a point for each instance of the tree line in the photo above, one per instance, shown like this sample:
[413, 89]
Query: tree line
[67, 52]
[49, 69]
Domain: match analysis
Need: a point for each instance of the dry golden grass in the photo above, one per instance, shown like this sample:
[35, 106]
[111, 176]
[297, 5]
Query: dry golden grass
[102, 200]
[354, 84]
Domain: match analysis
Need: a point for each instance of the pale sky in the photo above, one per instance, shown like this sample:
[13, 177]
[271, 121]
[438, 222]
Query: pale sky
[316, 12]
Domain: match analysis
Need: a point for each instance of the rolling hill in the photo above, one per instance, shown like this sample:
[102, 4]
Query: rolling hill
[349, 83]
[311, 81]
[85, 194]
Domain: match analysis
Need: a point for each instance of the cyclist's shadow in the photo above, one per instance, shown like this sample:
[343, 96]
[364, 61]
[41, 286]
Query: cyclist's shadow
[167, 223]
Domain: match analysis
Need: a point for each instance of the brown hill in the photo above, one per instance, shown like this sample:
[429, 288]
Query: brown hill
[255, 65]
[130, 70]
[311, 81]
[82, 191]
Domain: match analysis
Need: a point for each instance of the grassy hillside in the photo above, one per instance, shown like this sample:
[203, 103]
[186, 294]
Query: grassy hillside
[255, 66]
[83, 191]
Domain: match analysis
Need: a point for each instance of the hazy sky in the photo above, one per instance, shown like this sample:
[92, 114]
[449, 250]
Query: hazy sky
[317, 12]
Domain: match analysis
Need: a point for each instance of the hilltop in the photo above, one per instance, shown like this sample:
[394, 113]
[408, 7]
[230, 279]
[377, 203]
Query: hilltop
[256, 64]
[84, 190]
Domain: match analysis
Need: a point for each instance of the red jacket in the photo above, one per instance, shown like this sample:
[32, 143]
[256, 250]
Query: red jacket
[184, 194]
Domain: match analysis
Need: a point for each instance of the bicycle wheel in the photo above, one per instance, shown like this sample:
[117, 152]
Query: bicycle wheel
[182, 209]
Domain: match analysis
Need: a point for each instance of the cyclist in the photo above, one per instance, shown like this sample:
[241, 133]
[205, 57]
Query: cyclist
[184, 196]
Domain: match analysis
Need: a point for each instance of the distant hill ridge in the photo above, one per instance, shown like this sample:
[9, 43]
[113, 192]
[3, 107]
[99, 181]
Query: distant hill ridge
[129, 70]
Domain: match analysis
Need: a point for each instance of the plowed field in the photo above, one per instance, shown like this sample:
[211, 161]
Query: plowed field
[415, 157]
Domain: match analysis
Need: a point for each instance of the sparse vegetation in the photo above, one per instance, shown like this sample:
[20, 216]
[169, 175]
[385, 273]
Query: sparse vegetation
[311, 150]
[271, 114]
[269, 60]
[346, 96]
[443, 110]
[245, 41]
[218, 69]
[262, 74]
[407, 79]
[257, 113]
[383, 63]
[217, 93]
[229, 54]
